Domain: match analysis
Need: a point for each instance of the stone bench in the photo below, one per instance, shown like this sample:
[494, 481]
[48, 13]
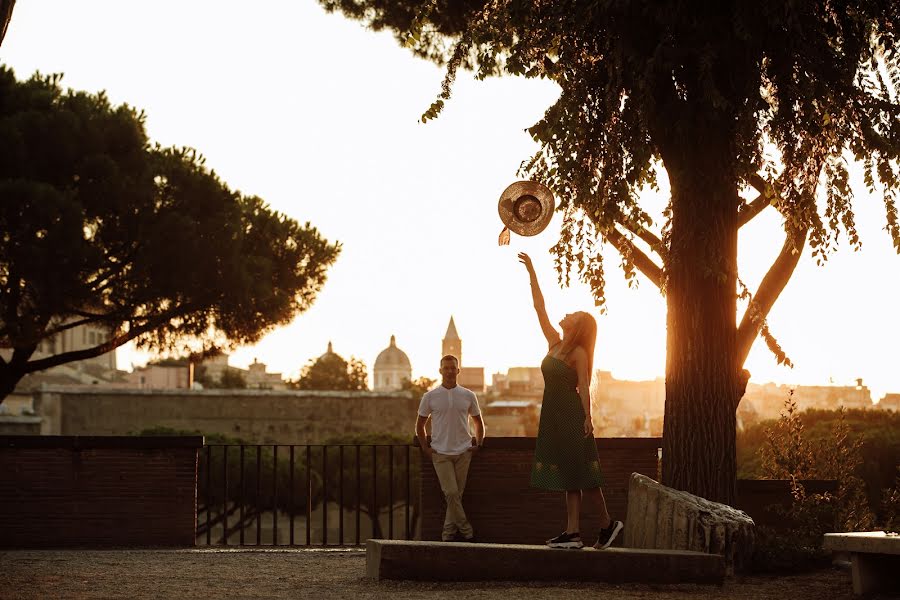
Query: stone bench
[874, 558]
[440, 561]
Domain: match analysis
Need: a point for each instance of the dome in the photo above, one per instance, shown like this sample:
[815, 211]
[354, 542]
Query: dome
[392, 357]
[328, 353]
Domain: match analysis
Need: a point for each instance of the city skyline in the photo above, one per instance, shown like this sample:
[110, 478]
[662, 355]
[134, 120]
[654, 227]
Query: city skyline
[299, 113]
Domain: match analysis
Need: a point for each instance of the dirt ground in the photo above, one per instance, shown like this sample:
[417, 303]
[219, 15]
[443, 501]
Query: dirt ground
[298, 574]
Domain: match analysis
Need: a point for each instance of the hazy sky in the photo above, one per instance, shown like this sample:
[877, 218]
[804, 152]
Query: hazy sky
[320, 117]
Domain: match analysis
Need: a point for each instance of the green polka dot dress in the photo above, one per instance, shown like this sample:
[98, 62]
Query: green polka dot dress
[564, 459]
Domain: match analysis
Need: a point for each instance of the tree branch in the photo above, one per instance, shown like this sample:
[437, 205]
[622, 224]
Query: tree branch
[66, 326]
[643, 262]
[108, 346]
[645, 234]
[769, 289]
[766, 191]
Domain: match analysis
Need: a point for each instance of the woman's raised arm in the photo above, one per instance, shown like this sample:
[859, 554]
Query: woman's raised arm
[550, 333]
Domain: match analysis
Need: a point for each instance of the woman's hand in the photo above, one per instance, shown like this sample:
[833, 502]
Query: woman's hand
[588, 427]
[526, 260]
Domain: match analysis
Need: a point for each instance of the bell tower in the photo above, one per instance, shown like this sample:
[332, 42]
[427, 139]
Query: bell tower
[451, 343]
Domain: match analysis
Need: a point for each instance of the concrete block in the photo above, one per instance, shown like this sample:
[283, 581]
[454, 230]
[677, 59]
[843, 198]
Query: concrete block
[440, 561]
[659, 517]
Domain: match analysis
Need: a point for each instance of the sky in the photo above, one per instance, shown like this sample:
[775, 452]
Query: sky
[320, 117]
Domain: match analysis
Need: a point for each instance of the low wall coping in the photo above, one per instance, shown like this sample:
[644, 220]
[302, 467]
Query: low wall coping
[527, 443]
[112, 390]
[20, 419]
[84, 442]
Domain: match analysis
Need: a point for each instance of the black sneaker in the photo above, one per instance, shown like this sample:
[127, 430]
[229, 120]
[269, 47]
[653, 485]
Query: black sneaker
[607, 535]
[566, 540]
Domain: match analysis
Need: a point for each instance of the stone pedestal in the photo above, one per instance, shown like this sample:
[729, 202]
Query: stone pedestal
[667, 519]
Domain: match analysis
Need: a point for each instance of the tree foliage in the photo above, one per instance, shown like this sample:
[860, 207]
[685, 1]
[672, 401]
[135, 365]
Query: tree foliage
[726, 100]
[417, 387]
[847, 445]
[331, 372]
[101, 227]
[792, 92]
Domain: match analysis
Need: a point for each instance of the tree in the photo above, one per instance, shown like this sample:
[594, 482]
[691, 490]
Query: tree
[417, 387]
[101, 228]
[6, 8]
[230, 378]
[331, 372]
[720, 98]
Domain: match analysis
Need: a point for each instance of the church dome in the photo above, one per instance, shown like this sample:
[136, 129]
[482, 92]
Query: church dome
[328, 353]
[392, 357]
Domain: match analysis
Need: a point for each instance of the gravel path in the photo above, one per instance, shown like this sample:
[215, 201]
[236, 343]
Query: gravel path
[299, 574]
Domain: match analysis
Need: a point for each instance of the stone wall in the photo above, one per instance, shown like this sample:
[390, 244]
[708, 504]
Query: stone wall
[97, 492]
[503, 508]
[258, 416]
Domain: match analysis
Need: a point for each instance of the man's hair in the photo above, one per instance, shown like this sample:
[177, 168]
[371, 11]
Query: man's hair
[449, 357]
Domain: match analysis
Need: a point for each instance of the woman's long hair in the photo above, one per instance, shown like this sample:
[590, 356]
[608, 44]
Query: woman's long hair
[584, 334]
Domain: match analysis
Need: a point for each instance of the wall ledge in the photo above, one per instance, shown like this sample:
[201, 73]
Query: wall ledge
[86, 442]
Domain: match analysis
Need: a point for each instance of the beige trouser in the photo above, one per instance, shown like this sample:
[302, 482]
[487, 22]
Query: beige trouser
[451, 473]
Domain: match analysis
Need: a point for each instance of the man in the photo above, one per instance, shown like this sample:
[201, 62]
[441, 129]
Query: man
[452, 444]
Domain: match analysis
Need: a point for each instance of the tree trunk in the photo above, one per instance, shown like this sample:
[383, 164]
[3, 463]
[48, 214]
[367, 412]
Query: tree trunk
[702, 371]
[9, 379]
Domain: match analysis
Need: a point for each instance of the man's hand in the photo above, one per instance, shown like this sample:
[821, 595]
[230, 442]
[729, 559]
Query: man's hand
[428, 452]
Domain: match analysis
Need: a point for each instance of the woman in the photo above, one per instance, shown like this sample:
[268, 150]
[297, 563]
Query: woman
[565, 455]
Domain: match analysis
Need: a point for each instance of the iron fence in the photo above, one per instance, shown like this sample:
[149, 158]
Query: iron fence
[304, 495]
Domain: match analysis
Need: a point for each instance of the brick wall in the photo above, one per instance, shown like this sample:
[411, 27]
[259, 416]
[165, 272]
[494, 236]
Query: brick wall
[257, 416]
[503, 508]
[759, 497]
[97, 492]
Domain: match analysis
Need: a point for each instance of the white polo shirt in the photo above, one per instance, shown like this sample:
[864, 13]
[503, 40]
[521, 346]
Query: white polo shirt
[450, 410]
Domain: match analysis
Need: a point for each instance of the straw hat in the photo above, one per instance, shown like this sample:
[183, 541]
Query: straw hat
[526, 208]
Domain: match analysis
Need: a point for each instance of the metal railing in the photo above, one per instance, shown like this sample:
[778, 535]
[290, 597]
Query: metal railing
[305, 495]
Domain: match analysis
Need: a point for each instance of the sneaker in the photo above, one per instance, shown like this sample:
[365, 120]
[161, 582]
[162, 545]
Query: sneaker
[566, 540]
[458, 537]
[609, 534]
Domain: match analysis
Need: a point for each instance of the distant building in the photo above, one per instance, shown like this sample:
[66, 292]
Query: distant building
[469, 377]
[623, 408]
[766, 401]
[890, 402]
[255, 376]
[519, 383]
[162, 375]
[512, 418]
[391, 368]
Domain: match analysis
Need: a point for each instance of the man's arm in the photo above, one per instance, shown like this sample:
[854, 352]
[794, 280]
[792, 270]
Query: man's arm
[479, 430]
[422, 436]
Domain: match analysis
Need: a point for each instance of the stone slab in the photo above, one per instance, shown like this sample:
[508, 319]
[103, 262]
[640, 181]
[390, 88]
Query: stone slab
[870, 542]
[874, 559]
[440, 561]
